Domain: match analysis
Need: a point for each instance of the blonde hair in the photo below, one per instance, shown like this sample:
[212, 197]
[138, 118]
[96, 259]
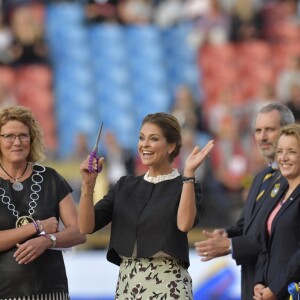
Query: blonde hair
[291, 129]
[26, 116]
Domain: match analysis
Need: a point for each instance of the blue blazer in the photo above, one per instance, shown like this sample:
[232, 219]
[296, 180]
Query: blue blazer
[279, 263]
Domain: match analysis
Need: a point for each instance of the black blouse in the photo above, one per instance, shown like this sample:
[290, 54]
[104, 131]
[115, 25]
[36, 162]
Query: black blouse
[144, 214]
[46, 273]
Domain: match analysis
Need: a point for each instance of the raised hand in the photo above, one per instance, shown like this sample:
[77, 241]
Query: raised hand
[86, 172]
[197, 156]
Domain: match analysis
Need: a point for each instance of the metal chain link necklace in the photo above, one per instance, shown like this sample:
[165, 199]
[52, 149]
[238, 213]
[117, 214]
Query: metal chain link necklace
[17, 185]
[37, 179]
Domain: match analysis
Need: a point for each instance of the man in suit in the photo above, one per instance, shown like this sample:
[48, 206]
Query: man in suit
[243, 239]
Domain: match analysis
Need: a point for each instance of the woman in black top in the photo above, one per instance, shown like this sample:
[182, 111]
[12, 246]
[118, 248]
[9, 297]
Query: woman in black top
[33, 199]
[150, 214]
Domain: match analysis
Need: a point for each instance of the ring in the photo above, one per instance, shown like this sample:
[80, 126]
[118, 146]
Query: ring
[29, 254]
[205, 253]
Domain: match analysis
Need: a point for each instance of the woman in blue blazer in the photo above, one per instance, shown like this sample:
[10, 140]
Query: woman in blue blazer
[279, 263]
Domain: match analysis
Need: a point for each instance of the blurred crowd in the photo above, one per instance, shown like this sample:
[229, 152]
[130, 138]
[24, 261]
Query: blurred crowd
[248, 54]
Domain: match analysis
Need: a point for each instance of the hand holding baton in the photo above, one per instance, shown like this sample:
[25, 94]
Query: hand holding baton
[94, 154]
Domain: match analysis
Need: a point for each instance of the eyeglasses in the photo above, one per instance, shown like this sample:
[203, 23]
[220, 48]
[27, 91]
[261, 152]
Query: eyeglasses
[10, 138]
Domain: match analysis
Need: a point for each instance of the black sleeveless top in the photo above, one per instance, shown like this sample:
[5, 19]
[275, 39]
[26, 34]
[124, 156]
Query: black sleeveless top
[46, 274]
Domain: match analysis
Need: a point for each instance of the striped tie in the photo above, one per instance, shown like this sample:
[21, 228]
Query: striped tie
[265, 182]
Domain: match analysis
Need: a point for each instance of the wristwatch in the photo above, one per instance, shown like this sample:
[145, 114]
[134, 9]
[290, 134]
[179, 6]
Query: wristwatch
[53, 239]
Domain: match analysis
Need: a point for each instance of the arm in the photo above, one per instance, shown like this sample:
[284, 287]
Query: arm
[260, 268]
[246, 248]
[11, 237]
[237, 229]
[68, 237]
[187, 206]
[288, 274]
[260, 291]
[86, 204]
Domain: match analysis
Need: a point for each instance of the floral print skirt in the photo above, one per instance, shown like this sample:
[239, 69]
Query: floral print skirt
[160, 278]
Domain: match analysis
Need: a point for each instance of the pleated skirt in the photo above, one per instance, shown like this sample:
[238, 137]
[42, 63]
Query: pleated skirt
[161, 278]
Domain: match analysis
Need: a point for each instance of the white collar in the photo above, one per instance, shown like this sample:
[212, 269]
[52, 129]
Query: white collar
[161, 178]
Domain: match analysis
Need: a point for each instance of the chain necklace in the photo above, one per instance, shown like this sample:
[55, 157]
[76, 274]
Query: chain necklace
[17, 185]
[37, 179]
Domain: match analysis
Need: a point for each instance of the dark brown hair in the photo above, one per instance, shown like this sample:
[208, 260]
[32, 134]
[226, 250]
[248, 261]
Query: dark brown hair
[170, 128]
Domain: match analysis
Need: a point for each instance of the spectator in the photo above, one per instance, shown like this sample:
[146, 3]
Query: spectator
[5, 40]
[28, 46]
[7, 97]
[101, 11]
[246, 21]
[187, 110]
[135, 11]
[168, 13]
[294, 102]
[211, 26]
[265, 95]
[289, 75]
[120, 162]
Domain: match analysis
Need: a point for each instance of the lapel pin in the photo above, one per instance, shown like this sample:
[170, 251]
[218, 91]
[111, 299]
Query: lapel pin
[275, 190]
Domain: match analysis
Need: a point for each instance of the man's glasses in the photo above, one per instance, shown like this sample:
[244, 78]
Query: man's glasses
[10, 138]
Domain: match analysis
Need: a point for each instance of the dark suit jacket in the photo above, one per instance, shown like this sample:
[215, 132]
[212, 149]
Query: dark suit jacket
[246, 235]
[144, 214]
[279, 262]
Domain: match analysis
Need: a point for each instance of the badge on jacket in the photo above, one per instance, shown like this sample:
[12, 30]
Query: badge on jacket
[275, 190]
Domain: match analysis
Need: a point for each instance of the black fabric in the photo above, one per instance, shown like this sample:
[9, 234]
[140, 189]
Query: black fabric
[246, 235]
[146, 214]
[265, 183]
[46, 273]
[278, 264]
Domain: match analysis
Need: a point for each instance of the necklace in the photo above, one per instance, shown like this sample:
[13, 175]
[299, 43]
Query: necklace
[37, 179]
[17, 185]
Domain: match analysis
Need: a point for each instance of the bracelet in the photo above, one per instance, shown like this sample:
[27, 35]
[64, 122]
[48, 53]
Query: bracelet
[188, 179]
[87, 194]
[40, 226]
[37, 228]
[44, 234]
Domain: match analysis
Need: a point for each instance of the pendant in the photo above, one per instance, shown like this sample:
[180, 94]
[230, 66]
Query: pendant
[17, 186]
[24, 220]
